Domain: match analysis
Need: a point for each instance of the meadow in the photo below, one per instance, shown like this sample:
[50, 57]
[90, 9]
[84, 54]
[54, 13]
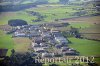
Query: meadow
[21, 44]
[6, 16]
[18, 44]
[85, 47]
[51, 12]
[6, 42]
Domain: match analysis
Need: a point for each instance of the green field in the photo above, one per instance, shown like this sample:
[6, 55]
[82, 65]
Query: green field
[6, 42]
[54, 12]
[5, 16]
[80, 25]
[85, 47]
[19, 44]
[50, 11]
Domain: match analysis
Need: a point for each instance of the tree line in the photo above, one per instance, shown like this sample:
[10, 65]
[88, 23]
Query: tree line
[5, 8]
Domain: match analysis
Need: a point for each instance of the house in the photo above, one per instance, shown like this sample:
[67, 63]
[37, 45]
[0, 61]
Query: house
[37, 39]
[33, 54]
[48, 55]
[61, 40]
[68, 52]
[34, 44]
[45, 46]
[58, 54]
[41, 51]
[46, 34]
[38, 48]
[52, 41]
[34, 33]
[19, 34]
[58, 46]
[64, 49]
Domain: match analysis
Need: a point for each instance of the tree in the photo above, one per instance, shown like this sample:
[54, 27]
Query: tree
[13, 51]
[63, 1]
[19, 60]
[17, 22]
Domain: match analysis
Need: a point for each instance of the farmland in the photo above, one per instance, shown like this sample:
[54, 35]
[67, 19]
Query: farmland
[6, 42]
[85, 47]
[51, 12]
[21, 44]
[5, 16]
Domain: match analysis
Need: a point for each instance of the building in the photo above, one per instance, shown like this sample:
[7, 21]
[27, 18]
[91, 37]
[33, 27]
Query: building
[61, 40]
[19, 34]
[48, 55]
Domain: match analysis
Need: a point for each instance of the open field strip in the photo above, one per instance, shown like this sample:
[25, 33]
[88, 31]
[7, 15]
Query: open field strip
[85, 47]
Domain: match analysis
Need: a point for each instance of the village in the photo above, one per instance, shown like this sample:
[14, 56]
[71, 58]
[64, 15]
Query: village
[46, 42]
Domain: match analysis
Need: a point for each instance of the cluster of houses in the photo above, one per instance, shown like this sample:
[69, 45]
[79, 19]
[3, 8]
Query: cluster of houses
[45, 42]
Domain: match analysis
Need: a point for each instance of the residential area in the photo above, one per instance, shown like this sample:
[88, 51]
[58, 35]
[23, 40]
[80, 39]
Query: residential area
[45, 42]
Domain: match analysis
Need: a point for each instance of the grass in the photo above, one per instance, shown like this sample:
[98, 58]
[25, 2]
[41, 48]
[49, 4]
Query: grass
[97, 59]
[6, 16]
[21, 44]
[6, 42]
[54, 12]
[80, 25]
[92, 19]
[85, 47]
[93, 30]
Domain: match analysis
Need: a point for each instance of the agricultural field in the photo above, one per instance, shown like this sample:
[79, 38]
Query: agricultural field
[18, 44]
[6, 42]
[53, 12]
[85, 47]
[6, 16]
[21, 44]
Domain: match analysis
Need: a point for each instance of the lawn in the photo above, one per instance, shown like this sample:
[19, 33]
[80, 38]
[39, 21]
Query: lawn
[85, 47]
